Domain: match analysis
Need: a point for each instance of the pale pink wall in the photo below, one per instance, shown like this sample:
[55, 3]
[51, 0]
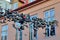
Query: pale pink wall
[11, 32]
[26, 34]
[40, 10]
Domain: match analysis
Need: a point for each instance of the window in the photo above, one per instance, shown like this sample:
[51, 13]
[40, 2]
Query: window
[49, 15]
[31, 30]
[4, 32]
[17, 24]
[15, 5]
[18, 33]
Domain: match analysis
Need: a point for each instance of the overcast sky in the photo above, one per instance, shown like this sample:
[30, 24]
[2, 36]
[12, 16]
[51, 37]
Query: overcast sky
[8, 0]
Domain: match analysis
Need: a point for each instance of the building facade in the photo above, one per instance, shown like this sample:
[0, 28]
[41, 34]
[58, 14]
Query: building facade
[46, 9]
[19, 3]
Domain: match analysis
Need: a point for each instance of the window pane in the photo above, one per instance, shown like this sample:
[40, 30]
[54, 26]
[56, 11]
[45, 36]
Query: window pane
[33, 16]
[52, 18]
[5, 37]
[4, 27]
[46, 14]
[52, 12]
[15, 5]
[49, 15]
[18, 24]
[4, 32]
[49, 19]
[46, 19]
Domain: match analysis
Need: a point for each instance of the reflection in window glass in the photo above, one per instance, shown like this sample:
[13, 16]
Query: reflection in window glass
[49, 14]
[4, 32]
[15, 5]
[52, 12]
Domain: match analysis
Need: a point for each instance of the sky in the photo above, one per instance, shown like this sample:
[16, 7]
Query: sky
[8, 0]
